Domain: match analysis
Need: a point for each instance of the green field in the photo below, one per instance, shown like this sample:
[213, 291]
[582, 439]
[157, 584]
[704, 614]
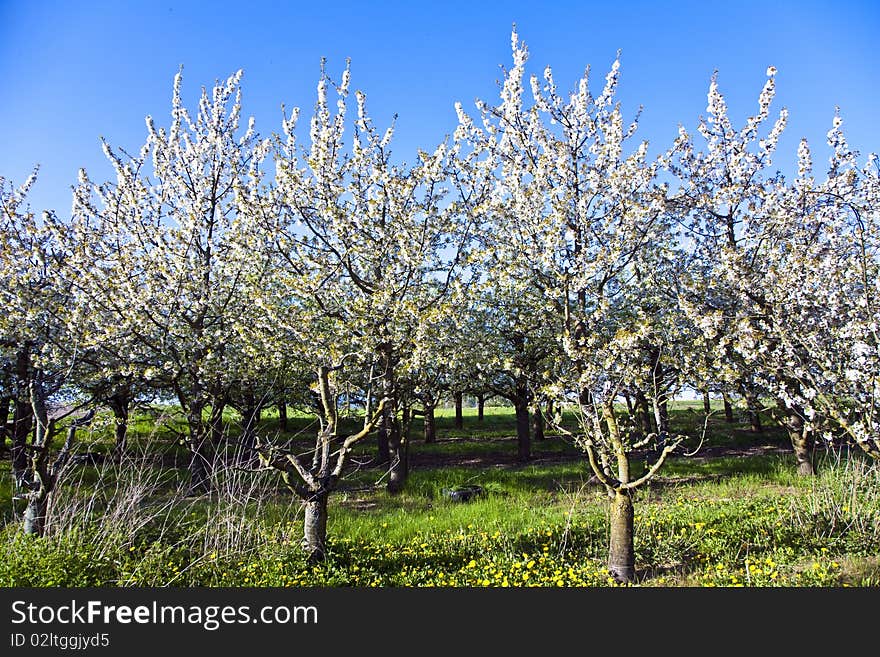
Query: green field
[733, 514]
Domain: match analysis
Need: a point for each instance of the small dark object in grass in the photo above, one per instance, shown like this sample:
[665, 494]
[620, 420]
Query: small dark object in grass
[463, 493]
[89, 458]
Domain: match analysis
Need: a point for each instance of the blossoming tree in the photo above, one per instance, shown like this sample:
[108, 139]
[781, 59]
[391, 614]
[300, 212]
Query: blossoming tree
[581, 215]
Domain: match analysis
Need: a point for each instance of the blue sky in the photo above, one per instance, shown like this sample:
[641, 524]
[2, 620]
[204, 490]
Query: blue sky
[74, 71]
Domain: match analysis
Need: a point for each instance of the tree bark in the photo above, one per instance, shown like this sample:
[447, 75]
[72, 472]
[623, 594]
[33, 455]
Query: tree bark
[753, 406]
[119, 403]
[218, 405]
[661, 414]
[398, 461]
[728, 409]
[386, 424]
[802, 442]
[42, 481]
[197, 441]
[315, 527]
[707, 403]
[35, 514]
[459, 412]
[524, 448]
[644, 407]
[282, 415]
[538, 423]
[399, 472]
[250, 418]
[399, 466]
[621, 551]
[481, 405]
[383, 450]
[22, 417]
[4, 420]
[430, 423]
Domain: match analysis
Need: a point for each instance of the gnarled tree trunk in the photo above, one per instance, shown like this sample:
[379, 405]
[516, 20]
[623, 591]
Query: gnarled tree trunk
[802, 442]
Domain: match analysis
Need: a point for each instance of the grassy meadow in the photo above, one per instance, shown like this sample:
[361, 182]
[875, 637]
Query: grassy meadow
[734, 513]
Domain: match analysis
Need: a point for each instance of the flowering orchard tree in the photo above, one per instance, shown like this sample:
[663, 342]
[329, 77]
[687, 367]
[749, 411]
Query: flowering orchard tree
[314, 481]
[581, 216]
[741, 218]
[23, 276]
[40, 333]
[820, 298]
[178, 264]
[369, 243]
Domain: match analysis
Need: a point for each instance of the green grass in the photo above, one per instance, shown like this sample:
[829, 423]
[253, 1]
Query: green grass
[708, 520]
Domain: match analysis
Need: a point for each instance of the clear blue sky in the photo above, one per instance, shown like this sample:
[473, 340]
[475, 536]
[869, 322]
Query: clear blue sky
[73, 71]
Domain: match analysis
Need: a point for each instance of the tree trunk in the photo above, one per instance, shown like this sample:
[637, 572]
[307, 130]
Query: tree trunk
[621, 551]
[399, 467]
[538, 423]
[250, 418]
[459, 413]
[707, 403]
[35, 514]
[399, 472]
[398, 463]
[398, 447]
[42, 480]
[430, 423]
[481, 404]
[119, 403]
[755, 425]
[22, 423]
[4, 420]
[524, 448]
[802, 442]
[386, 424]
[662, 415]
[383, 450]
[218, 405]
[728, 409]
[753, 406]
[282, 415]
[120, 435]
[198, 440]
[315, 527]
[585, 398]
[644, 407]
[629, 403]
[22, 418]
